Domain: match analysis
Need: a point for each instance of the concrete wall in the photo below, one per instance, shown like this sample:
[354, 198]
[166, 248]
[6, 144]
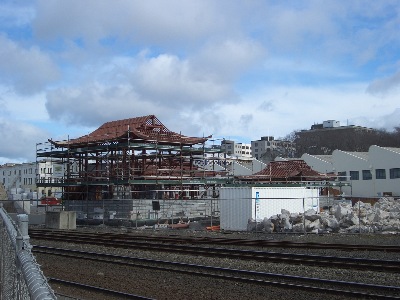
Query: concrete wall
[61, 219]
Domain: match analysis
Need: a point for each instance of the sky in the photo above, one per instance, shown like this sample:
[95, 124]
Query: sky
[233, 69]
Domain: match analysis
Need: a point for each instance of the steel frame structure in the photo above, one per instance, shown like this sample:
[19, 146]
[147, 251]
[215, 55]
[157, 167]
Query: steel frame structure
[129, 159]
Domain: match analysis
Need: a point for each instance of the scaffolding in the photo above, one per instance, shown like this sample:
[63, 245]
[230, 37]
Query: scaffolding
[137, 158]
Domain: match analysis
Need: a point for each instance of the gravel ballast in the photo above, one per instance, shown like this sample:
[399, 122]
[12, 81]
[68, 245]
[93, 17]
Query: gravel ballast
[168, 285]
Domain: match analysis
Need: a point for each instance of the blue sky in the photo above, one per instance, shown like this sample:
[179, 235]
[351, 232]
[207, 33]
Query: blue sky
[234, 69]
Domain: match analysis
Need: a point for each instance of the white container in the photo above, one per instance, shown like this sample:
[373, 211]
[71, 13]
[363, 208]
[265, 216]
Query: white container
[239, 204]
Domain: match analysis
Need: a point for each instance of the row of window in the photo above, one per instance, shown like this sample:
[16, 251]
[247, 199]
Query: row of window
[367, 175]
[28, 181]
[26, 171]
[238, 146]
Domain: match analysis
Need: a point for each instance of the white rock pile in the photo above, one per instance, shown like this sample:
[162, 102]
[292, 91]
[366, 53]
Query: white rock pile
[383, 216]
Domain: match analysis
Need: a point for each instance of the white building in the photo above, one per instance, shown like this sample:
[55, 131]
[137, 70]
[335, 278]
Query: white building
[267, 148]
[19, 180]
[372, 174]
[235, 149]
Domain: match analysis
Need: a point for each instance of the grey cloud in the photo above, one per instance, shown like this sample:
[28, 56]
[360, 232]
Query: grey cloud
[266, 106]
[21, 148]
[93, 104]
[385, 85]
[166, 79]
[245, 121]
[388, 121]
[159, 22]
[27, 70]
[228, 58]
[392, 120]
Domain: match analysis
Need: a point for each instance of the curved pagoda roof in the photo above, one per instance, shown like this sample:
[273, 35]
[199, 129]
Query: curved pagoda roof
[146, 129]
[287, 170]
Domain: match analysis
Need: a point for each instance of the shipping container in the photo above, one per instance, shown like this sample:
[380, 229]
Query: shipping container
[239, 204]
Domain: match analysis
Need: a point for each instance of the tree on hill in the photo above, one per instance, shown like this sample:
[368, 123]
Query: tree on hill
[354, 139]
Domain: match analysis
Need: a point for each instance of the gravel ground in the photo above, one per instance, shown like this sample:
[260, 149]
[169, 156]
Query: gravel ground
[167, 285]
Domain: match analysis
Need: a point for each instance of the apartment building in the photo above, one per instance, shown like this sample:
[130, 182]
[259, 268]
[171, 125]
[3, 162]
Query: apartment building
[267, 148]
[19, 180]
[235, 149]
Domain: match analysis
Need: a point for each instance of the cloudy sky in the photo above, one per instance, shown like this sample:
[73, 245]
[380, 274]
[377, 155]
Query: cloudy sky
[234, 69]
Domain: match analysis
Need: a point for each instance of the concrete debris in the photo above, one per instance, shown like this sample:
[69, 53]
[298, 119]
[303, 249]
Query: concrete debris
[383, 216]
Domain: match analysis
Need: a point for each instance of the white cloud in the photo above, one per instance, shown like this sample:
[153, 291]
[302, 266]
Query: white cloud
[27, 70]
[16, 13]
[381, 87]
[18, 140]
[227, 59]
[228, 68]
[145, 85]
[24, 108]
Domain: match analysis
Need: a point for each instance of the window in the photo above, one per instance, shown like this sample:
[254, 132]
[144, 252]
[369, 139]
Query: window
[380, 174]
[367, 175]
[354, 175]
[394, 173]
[342, 176]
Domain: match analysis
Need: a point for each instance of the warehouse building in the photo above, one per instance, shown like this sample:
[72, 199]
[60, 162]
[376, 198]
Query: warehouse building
[375, 173]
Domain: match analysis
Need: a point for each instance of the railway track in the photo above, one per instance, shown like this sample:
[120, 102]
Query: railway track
[249, 277]
[95, 291]
[129, 242]
[269, 243]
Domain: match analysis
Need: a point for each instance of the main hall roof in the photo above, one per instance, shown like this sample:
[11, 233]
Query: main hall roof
[146, 129]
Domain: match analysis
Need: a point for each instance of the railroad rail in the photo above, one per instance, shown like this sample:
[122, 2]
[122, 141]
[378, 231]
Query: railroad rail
[309, 284]
[95, 289]
[129, 237]
[129, 242]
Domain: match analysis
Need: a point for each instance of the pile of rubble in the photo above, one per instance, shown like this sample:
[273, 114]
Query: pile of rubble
[383, 216]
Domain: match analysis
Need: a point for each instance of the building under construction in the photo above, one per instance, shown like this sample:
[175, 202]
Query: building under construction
[137, 158]
[138, 169]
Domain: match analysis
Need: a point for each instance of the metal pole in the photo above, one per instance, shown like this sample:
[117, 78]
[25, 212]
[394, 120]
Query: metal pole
[211, 221]
[22, 235]
[304, 218]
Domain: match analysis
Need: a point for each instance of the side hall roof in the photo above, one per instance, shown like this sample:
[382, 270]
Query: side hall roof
[140, 129]
[287, 170]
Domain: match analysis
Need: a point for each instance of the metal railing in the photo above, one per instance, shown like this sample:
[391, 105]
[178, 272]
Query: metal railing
[20, 274]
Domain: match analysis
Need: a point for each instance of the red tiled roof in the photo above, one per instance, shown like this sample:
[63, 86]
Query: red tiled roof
[284, 170]
[145, 129]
